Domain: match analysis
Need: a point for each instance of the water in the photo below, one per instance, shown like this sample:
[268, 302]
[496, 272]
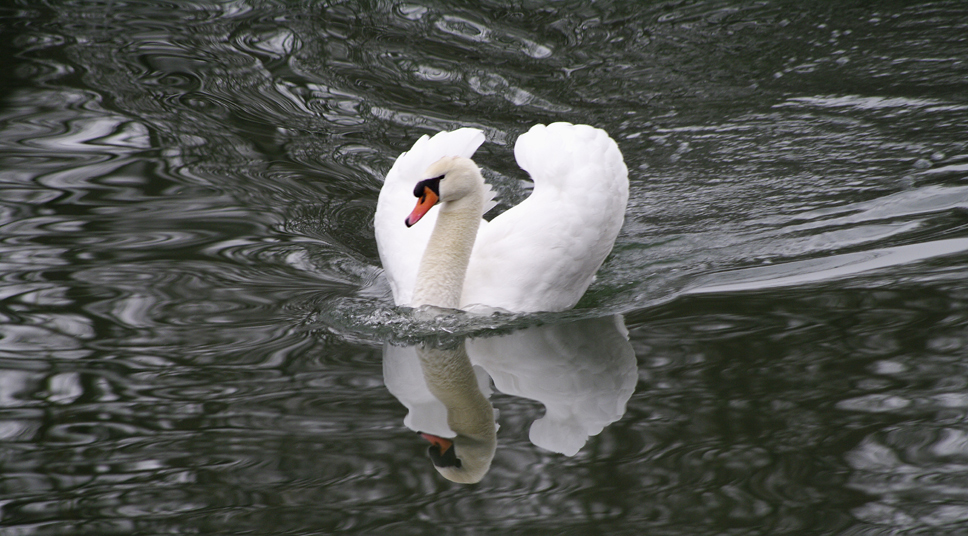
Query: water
[193, 322]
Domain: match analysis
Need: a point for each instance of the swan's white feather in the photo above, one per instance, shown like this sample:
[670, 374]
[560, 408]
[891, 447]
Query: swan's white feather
[540, 255]
[401, 247]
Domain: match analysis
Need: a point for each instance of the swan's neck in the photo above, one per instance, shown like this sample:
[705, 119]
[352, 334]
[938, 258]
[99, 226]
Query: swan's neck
[440, 278]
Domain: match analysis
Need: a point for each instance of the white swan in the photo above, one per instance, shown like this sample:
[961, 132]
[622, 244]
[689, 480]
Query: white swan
[540, 255]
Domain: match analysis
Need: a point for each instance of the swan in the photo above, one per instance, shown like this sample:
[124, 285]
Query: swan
[540, 255]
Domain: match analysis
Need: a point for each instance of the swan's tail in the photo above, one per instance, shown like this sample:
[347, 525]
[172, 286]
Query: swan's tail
[558, 153]
[542, 254]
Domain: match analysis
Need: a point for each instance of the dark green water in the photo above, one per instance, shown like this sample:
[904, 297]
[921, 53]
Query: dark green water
[193, 320]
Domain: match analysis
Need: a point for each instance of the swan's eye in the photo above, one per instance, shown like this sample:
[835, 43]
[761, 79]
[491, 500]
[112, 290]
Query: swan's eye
[433, 184]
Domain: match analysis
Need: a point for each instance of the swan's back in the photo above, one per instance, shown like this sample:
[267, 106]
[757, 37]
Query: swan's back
[542, 254]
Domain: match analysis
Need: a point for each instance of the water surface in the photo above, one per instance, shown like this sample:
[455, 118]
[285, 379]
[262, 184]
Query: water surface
[193, 321]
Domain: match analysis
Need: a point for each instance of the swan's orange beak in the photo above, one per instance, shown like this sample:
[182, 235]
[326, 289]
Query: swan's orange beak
[442, 443]
[427, 200]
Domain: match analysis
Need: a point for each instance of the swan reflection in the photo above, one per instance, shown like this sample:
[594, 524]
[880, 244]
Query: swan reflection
[583, 372]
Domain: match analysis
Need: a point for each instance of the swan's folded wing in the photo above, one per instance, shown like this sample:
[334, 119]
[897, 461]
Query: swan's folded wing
[401, 247]
[543, 254]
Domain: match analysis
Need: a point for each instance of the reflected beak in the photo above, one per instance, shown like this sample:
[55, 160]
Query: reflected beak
[440, 442]
[441, 451]
[426, 201]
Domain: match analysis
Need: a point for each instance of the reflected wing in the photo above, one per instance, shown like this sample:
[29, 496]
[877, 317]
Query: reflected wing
[401, 248]
[583, 372]
[543, 254]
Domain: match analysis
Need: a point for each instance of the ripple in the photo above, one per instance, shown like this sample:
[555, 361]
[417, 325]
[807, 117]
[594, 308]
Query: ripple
[859, 102]
[24, 340]
[836, 267]
[463, 28]
[487, 84]
[880, 472]
[192, 308]
[277, 43]
[435, 74]
[875, 403]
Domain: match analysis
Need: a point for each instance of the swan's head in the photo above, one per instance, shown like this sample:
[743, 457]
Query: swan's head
[463, 459]
[449, 179]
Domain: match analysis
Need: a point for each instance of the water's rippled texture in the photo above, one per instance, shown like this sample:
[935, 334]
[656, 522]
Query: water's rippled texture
[192, 314]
